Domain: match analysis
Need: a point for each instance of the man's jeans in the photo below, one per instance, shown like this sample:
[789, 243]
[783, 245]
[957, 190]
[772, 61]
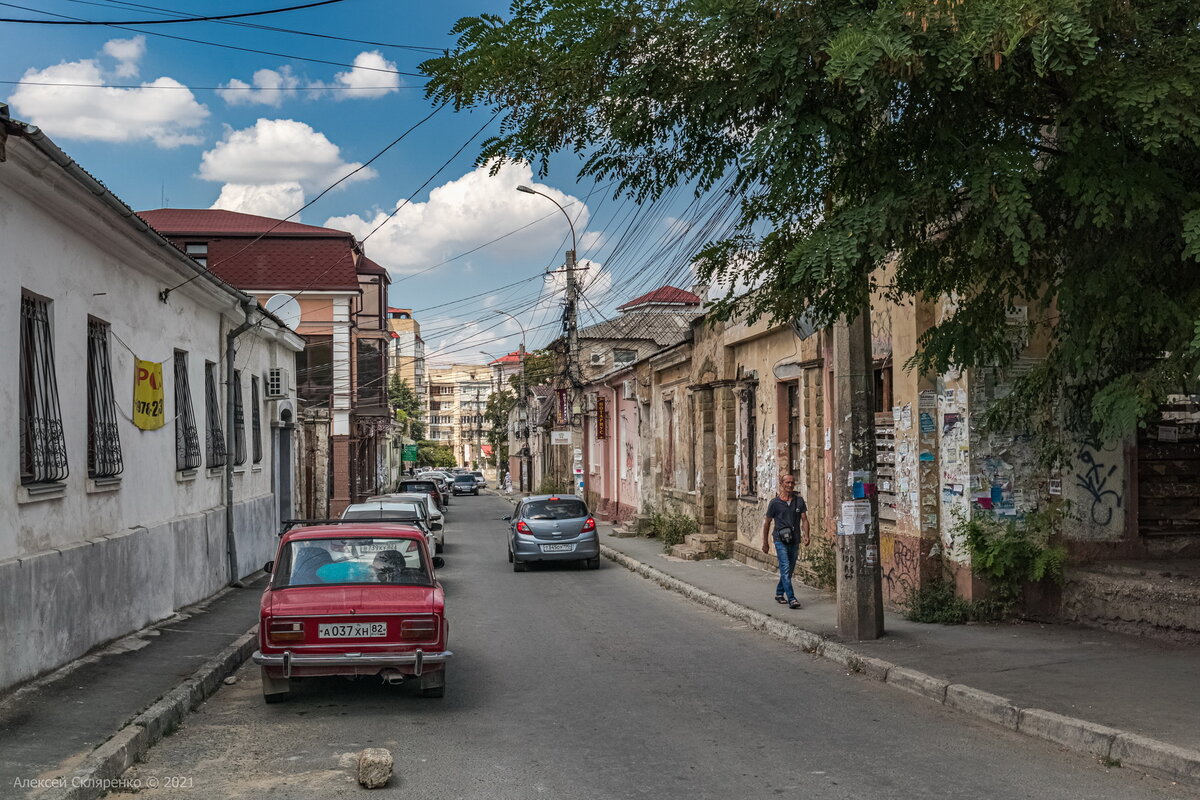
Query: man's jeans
[787, 555]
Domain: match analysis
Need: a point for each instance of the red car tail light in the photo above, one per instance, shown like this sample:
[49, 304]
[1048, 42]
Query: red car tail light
[589, 526]
[421, 628]
[523, 528]
[286, 631]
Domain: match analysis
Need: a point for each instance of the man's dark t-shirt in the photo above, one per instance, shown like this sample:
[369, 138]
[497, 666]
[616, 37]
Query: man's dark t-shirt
[786, 517]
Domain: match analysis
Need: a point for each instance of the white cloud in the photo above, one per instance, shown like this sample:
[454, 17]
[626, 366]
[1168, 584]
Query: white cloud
[464, 214]
[279, 200]
[275, 152]
[163, 111]
[270, 88]
[365, 79]
[371, 76]
[127, 52]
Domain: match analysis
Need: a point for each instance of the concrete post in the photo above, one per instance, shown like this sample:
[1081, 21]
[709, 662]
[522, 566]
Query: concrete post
[859, 578]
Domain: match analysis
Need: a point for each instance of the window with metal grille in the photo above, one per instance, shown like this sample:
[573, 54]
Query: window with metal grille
[104, 442]
[751, 460]
[187, 438]
[255, 419]
[214, 442]
[239, 421]
[43, 445]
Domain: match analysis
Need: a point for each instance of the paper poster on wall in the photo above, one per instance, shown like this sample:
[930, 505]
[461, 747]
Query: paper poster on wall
[926, 422]
[1168, 433]
[949, 422]
[927, 399]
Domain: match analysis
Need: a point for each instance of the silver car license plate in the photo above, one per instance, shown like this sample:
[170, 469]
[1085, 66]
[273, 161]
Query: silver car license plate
[351, 630]
[558, 548]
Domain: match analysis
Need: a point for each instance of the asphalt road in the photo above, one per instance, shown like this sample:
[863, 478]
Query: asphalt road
[569, 683]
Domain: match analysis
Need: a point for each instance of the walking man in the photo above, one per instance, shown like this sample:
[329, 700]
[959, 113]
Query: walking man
[789, 512]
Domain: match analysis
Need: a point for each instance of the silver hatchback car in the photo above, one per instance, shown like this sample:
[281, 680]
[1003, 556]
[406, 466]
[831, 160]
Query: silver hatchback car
[552, 528]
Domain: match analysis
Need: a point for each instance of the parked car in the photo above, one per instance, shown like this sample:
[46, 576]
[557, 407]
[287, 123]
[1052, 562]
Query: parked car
[552, 528]
[481, 479]
[427, 486]
[355, 599]
[436, 518]
[465, 484]
[405, 511]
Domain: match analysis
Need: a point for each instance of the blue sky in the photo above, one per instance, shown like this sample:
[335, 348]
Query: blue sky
[282, 129]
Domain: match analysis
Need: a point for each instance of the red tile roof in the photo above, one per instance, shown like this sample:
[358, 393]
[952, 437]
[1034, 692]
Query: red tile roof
[664, 294]
[277, 264]
[218, 222]
[511, 358]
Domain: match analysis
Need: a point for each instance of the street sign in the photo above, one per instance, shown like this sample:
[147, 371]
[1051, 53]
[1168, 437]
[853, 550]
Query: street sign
[410, 453]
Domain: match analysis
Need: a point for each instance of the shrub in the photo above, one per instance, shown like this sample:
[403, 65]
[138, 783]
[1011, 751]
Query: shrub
[1009, 554]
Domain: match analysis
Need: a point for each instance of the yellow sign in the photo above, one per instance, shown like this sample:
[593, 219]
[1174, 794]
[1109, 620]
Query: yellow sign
[149, 411]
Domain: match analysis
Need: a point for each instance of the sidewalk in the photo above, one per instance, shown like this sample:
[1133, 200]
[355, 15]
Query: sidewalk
[1117, 697]
[52, 727]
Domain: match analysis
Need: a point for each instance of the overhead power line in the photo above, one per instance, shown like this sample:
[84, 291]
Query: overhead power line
[166, 11]
[157, 21]
[214, 88]
[161, 35]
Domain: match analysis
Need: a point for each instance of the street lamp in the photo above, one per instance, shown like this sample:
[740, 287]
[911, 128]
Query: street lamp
[569, 313]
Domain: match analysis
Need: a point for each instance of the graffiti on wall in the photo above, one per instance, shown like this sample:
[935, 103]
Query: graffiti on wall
[1103, 495]
[902, 561]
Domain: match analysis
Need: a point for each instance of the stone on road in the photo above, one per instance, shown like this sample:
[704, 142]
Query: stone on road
[374, 767]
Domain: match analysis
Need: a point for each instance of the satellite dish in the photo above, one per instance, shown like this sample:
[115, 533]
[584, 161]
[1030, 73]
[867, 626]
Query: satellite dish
[805, 325]
[285, 307]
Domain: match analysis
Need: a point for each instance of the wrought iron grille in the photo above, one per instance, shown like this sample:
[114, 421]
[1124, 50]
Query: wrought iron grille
[255, 419]
[43, 445]
[187, 438]
[104, 441]
[239, 421]
[214, 441]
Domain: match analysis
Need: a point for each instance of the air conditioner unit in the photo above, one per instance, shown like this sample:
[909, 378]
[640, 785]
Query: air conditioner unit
[278, 383]
[597, 360]
[628, 390]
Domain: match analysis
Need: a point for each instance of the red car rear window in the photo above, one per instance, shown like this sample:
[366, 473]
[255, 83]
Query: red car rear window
[358, 560]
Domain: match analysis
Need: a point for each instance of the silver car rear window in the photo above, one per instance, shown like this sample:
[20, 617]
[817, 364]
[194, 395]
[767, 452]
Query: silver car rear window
[554, 509]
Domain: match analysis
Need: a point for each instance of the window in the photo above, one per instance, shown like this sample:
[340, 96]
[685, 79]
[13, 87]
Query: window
[370, 373]
[239, 421]
[198, 251]
[624, 356]
[43, 445]
[187, 438]
[883, 386]
[104, 442]
[256, 420]
[314, 371]
[750, 461]
[214, 442]
[794, 431]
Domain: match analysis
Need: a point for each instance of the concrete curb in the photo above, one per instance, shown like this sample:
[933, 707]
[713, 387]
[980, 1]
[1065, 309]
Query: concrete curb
[1110, 745]
[108, 761]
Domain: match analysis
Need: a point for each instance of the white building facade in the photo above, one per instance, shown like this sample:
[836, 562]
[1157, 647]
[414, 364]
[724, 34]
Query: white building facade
[106, 527]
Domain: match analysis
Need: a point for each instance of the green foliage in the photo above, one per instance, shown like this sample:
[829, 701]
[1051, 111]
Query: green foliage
[936, 603]
[998, 152]
[553, 485]
[496, 415]
[406, 406]
[670, 527]
[432, 454]
[821, 560]
[540, 369]
[1009, 554]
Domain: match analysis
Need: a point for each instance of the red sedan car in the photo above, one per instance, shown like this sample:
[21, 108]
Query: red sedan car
[356, 598]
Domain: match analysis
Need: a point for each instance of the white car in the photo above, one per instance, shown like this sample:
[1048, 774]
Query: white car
[435, 515]
[387, 509]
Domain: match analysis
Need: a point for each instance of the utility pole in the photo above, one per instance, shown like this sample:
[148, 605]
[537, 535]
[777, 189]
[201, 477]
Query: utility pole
[859, 578]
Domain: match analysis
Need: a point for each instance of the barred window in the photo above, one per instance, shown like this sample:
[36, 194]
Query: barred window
[187, 438]
[214, 442]
[239, 421]
[256, 419]
[43, 445]
[104, 442]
